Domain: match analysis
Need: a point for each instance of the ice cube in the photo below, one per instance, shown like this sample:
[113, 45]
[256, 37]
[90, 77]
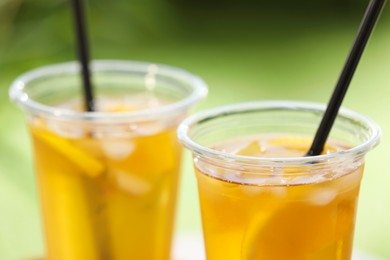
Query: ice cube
[252, 149]
[66, 130]
[118, 149]
[88, 164]
[130, 183]
[347, 180]
[280, 191]
[251, 190]
[149, 128]
[215, 171]
[275, 191]
[264, 184]
[322, 197]
[306, 179]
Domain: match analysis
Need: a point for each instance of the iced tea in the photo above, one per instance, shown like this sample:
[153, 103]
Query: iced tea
[106, 196]
[107, 179]
[289, 215]
[261, 198]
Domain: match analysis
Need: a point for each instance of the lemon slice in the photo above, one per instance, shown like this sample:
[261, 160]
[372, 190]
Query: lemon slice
[293, 232]
[122, 108]
[289, 229]
[88, 164]
[298, 143]
[252, 149]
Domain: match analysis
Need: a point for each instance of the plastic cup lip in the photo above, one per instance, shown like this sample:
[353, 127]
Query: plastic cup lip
[203, 151]
[18, 95]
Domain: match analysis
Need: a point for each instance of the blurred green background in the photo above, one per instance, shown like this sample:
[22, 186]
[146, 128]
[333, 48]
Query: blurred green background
[245, 50]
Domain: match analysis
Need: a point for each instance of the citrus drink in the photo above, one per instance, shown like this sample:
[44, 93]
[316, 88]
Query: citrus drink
[107, 192]
[107, 178]
[261, 197]
[288, 212]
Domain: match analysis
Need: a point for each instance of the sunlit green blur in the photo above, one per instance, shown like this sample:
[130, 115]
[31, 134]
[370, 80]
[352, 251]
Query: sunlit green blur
[245, 50]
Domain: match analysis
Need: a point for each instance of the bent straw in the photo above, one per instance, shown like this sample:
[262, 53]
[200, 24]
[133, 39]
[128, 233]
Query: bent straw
[83, 53]
[370, 18]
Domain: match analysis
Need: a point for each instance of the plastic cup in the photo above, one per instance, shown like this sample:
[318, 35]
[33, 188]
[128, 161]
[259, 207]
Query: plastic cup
[107, 179]
[293, 208]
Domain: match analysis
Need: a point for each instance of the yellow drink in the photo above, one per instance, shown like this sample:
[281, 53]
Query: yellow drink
[261, 198]
[107, 197]
[107, 179]
[288, 217]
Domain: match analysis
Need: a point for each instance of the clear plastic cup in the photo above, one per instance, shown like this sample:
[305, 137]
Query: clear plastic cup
[277, 207]
[107, 179]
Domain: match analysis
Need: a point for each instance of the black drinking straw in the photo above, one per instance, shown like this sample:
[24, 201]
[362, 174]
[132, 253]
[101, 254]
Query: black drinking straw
[83, 53]
[371, 16]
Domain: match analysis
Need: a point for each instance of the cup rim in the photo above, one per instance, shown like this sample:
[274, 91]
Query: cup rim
[203, 151]
[18, 95]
